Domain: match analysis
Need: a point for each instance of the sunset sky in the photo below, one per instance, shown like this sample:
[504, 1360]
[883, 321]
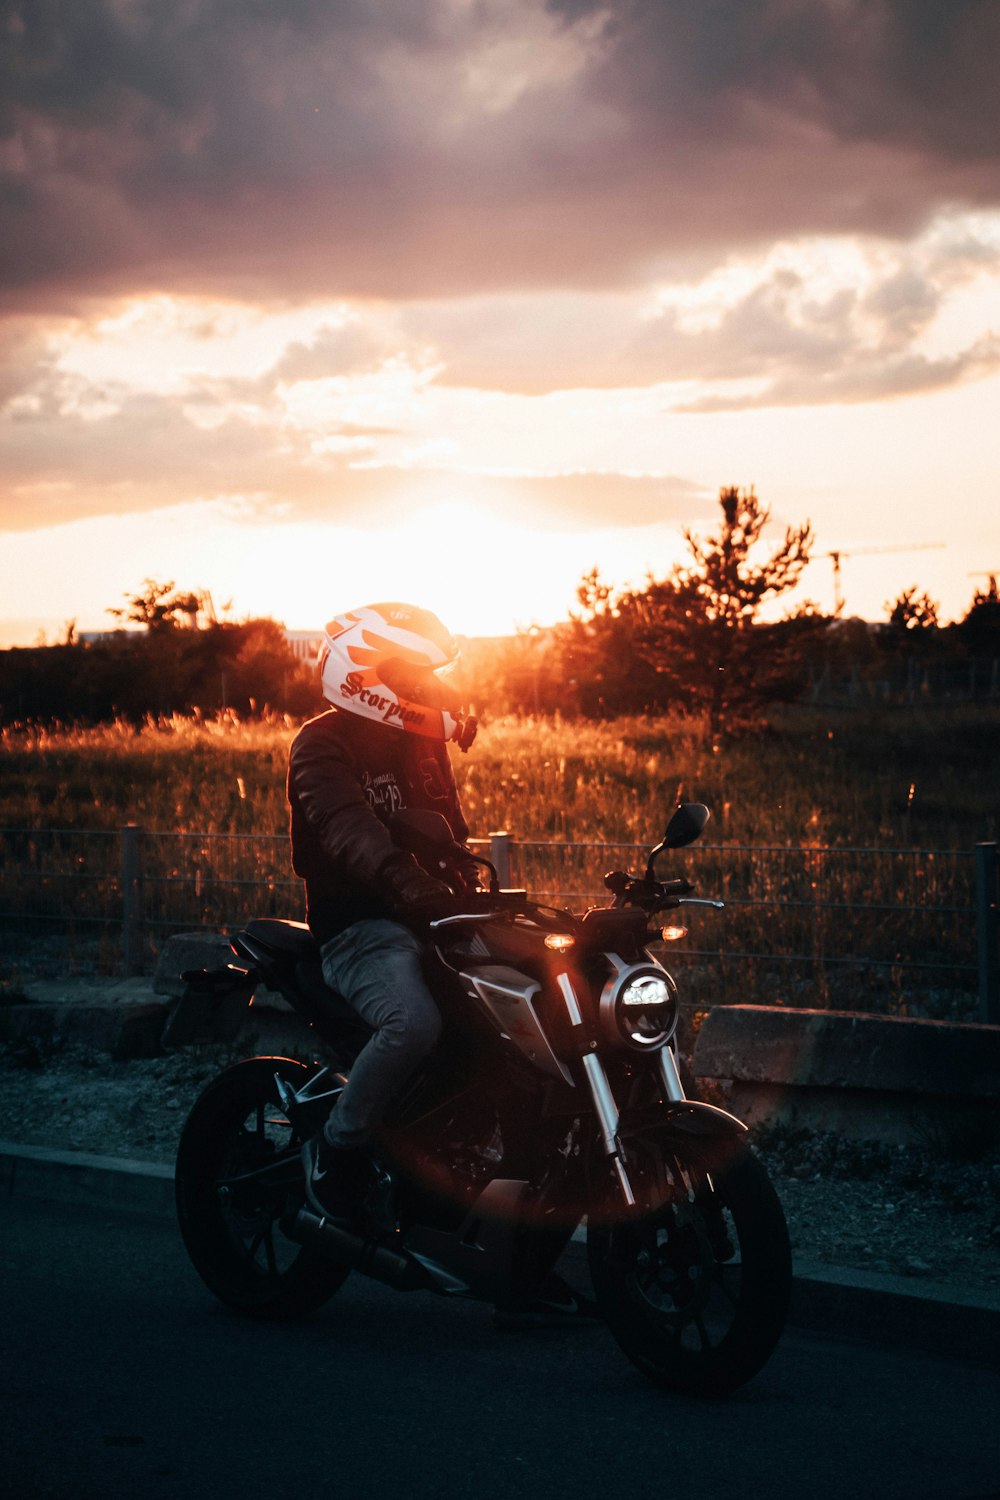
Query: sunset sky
[315, 302]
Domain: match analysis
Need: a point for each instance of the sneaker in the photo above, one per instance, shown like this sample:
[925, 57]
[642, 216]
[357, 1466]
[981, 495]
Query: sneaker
[554, 1305]
[334, 1180]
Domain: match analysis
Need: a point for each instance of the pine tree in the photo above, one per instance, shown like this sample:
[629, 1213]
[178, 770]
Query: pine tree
[702, 627]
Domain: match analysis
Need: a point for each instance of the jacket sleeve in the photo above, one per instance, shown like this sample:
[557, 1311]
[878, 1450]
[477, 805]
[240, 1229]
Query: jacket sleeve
[455, 816]
[325, 789]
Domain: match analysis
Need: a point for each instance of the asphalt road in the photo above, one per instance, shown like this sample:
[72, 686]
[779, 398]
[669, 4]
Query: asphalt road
[119, 1375]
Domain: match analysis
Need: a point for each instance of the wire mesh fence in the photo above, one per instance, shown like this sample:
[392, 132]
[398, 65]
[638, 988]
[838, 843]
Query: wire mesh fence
[894, 930]
[215, 880]
[856, 929]
[62, 876]
[104, 900]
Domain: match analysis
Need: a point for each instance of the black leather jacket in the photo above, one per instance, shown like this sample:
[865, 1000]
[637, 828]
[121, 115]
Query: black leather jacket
[347, 775]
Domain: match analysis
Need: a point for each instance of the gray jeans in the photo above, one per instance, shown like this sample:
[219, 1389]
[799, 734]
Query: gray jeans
[375, 965]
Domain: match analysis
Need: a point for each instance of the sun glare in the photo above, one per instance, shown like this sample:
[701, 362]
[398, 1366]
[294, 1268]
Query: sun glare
[479, 572]
[483, 572]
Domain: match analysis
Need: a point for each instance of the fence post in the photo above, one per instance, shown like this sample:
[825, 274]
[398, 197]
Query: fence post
[500, 855]
[988, 934]
[131, 898]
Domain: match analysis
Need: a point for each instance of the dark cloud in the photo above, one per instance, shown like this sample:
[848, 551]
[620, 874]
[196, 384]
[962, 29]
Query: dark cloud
[866, 378]
[799, 349]
[918, 74]
[810, 331]
[385, 147]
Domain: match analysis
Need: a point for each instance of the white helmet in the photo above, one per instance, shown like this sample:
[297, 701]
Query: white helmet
[386, 662]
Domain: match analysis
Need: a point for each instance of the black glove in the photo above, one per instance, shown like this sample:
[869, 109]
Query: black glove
[411, 894]
[472, 875]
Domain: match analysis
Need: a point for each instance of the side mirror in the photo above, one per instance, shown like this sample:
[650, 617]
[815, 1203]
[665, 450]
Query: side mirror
[687, 823]
[683, 828]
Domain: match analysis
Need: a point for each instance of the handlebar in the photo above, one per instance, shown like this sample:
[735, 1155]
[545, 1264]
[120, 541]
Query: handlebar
[629, 890]
[463, 916]
[654, 895]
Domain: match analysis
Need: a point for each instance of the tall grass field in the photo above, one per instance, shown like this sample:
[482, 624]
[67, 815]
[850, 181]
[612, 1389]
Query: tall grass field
[809, 919]
[904, 778]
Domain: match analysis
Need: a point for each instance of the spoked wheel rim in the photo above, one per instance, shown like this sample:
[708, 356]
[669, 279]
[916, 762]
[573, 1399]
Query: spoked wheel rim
[684, 1271]
[263, 1138]
[695, 1288]
[238, 1175]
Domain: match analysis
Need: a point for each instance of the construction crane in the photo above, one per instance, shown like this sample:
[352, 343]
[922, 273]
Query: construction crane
[836, 557]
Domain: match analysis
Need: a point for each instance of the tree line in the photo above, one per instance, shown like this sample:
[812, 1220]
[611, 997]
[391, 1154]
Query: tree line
[695, 641]
[175, 664]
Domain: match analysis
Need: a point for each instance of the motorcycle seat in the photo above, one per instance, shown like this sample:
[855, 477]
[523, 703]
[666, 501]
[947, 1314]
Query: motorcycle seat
[293, 941]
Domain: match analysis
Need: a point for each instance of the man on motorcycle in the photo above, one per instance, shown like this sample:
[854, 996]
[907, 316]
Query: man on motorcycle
[381, 746]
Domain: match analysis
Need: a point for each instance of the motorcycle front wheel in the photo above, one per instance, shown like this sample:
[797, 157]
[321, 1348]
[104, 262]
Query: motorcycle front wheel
[696, 1290]
[237, 1174]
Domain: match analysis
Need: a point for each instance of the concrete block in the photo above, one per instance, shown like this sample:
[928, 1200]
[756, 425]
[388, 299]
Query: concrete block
[868, 1077]
[125, 1031]
[23, 1023]
[844, 1049]
[139, 1032]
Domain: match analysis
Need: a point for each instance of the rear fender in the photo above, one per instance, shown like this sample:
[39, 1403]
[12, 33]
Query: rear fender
[212, 1007]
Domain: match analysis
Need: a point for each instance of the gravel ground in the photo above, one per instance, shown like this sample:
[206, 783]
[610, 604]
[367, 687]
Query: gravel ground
[909, 1211]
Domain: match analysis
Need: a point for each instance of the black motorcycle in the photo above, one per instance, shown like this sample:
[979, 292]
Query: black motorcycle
[554, 1097]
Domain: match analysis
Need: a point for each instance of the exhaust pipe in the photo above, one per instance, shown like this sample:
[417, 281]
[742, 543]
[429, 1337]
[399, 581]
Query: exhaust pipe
[372, 1259]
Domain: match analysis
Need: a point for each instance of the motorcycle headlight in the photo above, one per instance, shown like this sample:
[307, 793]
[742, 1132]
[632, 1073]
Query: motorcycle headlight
[639, 1008]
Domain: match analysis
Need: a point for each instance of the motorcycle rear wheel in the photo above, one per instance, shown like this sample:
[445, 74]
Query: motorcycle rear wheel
[696, 1293]
[232, 1231]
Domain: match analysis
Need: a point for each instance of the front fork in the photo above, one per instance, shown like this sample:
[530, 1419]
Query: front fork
[608, 1118]
[671, 1074]
[606, 1109]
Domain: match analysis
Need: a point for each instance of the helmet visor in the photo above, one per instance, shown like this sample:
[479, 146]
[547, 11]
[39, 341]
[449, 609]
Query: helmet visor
[431, 687]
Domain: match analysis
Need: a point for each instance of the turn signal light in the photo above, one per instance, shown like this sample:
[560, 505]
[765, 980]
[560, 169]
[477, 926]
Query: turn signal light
[673, 932]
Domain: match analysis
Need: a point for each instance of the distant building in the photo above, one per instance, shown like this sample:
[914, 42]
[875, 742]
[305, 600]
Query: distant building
[305, 644]
[94, 637]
